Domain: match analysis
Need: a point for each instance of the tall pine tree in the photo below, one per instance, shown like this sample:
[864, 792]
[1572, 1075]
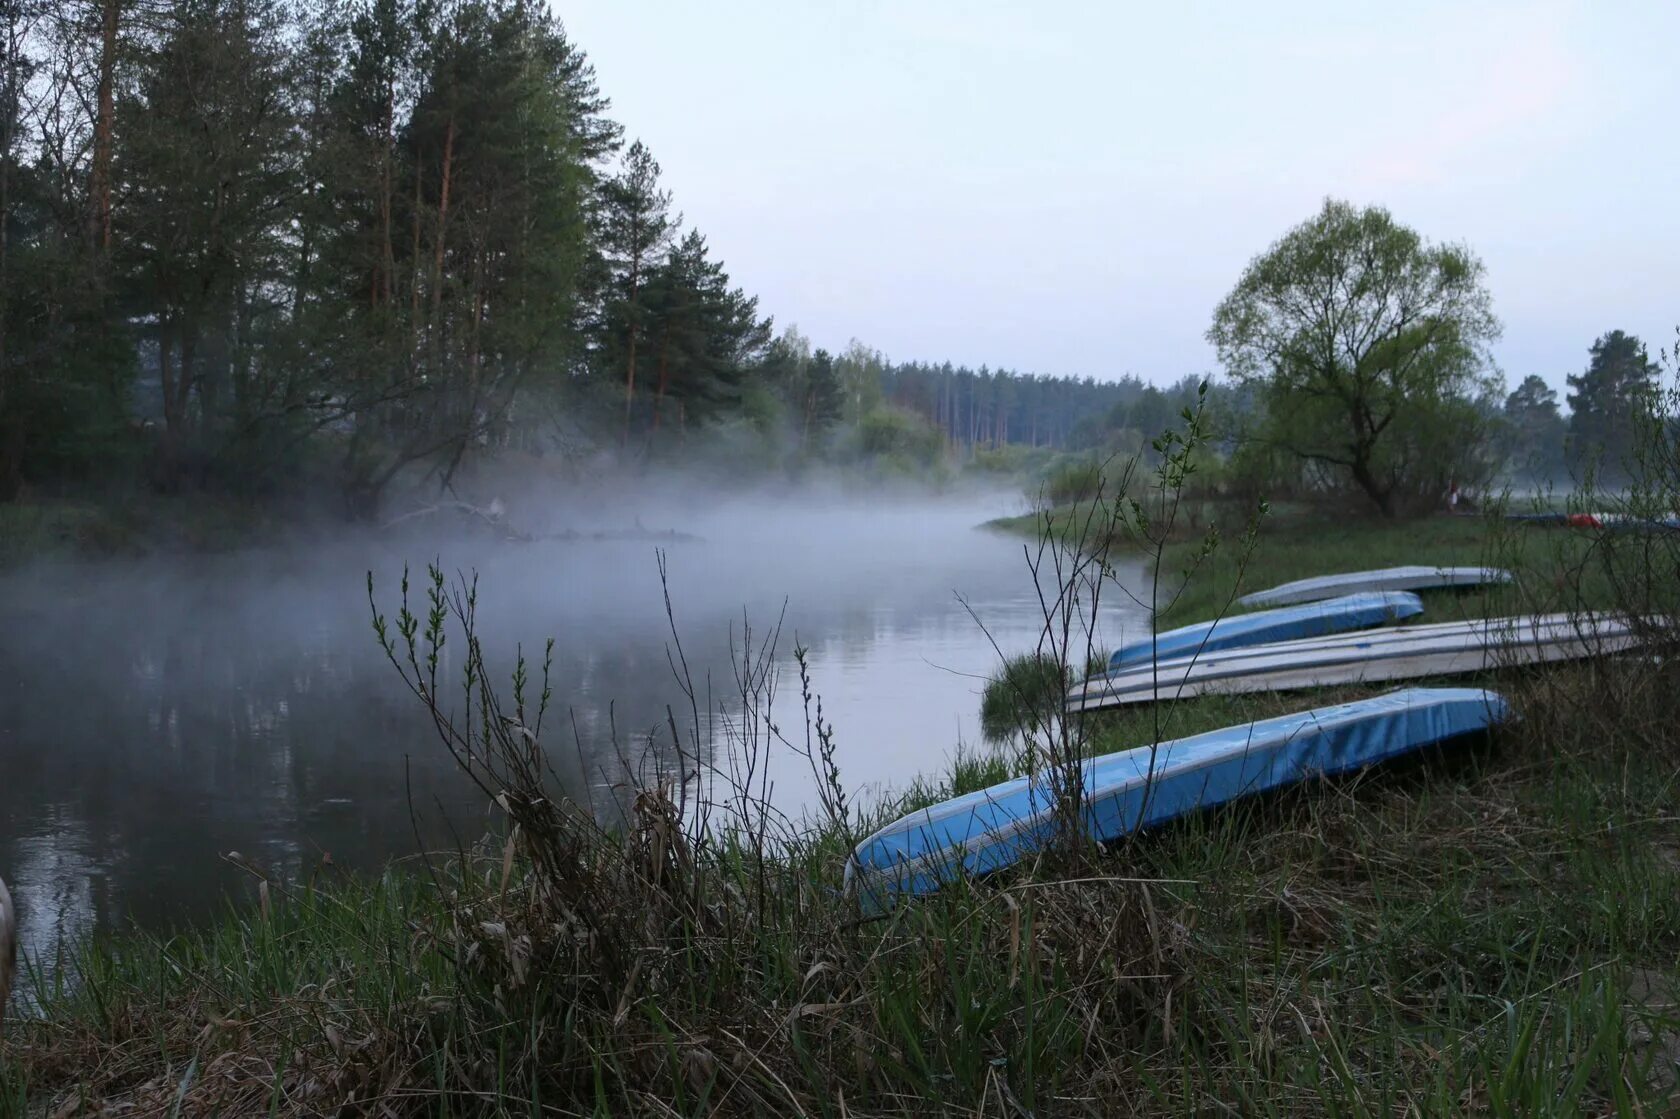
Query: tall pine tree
[1605, 402]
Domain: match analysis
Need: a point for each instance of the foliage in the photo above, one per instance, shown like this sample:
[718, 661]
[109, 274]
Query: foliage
[1073, 480]
[1606, 403]
[887, 432]
[1535, 430]
[1369, 347]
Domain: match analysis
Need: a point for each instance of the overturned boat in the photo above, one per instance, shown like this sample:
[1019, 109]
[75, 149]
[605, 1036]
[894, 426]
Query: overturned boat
[1403, 653]
[1133, 789]
[1413, 578]
[1617, 522]
[1314, 619]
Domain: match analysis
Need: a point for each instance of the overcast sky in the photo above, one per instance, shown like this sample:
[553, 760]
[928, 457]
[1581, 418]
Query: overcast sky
[1070, 188]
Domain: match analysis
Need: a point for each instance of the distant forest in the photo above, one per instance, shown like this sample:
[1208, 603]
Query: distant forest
[253, 244]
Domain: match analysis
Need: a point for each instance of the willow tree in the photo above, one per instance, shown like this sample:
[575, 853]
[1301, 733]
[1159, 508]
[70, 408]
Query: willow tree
[1369, 347]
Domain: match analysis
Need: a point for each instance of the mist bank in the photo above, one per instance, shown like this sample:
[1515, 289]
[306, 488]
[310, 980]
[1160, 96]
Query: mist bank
[511, 497]
[159, 711]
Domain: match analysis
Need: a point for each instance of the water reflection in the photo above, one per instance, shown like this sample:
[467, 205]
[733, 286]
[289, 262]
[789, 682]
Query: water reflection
[156, 716]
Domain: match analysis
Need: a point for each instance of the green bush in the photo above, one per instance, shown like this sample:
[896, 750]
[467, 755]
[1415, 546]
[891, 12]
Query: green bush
[1011, 458]
[1024, 694]
[890, 433]
[1073, 481]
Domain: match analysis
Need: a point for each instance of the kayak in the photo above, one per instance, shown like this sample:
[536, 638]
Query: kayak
[1414, 578]
[1313, 619]
[1621, 522]
[1401, 653]
[1133, 789]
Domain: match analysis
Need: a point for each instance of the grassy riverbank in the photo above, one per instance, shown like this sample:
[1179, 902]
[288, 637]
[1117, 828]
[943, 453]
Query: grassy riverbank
[1494, 931]
[126, 525]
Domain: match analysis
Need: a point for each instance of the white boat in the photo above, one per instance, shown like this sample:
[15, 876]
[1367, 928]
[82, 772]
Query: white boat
[1404, 653]
[1413, 578]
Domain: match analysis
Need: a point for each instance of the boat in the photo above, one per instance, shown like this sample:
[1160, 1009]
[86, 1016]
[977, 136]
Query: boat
[1401, 653]
[1124, 792]
[1617, 522]
[1335, 615]
[1414, 578]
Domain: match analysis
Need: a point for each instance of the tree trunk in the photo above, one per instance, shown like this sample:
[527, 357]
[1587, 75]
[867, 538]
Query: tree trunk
[414, 266]
[166, 375]
[664, 377]
[12, 441]
[630, 312]
[442, 224]
[11, 457]
[474, 324]
[386, 280]
[104, 126]
[1361, 471]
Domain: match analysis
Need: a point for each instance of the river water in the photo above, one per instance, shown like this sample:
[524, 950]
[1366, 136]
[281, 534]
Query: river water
[156, 715]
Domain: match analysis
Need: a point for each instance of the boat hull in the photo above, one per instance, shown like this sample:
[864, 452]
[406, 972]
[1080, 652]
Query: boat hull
[1133, 789]
[1414, 578]
[1314, 619]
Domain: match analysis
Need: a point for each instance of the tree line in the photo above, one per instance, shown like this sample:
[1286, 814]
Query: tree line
[253, 243]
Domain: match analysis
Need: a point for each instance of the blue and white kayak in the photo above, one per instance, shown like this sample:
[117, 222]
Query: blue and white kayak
[1313, 619]
[1414, 578]
[1133, 789]
[1365, 657]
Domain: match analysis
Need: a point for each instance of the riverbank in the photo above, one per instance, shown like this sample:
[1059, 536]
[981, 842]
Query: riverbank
[118, 526]
[1495, 931]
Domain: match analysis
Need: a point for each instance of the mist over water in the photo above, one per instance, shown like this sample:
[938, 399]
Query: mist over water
[156, 714]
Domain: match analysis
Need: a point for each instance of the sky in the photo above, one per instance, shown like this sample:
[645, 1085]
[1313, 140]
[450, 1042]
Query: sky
[1070, 188]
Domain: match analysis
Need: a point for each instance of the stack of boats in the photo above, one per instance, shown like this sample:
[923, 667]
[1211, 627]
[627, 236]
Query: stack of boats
[1327, 631]
[1327, 641]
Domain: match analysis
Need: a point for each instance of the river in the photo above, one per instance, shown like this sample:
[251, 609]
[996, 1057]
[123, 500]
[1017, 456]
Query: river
[158, 714]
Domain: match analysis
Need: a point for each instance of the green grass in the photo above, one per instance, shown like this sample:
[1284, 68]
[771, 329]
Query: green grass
[1066, 522]
[1026, 691]
[1495, 932]
[1299, 545]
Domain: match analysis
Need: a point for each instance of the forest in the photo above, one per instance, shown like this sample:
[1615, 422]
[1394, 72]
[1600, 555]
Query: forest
[251, 245]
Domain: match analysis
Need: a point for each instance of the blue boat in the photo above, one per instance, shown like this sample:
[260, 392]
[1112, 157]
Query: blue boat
[1133, 789]
[1335, 615]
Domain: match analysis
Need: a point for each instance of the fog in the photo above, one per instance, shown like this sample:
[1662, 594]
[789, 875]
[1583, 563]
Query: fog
[156, 714]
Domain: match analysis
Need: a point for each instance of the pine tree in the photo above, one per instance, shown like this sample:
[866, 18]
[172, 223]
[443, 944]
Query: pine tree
[206, 155]
[1536, 428]
[823, 399]
[703, 335]
[634, 228]
[1605, 402]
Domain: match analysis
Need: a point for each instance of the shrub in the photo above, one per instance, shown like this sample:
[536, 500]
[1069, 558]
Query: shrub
[1069, 482]
[1023, 695]
[888, 432]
